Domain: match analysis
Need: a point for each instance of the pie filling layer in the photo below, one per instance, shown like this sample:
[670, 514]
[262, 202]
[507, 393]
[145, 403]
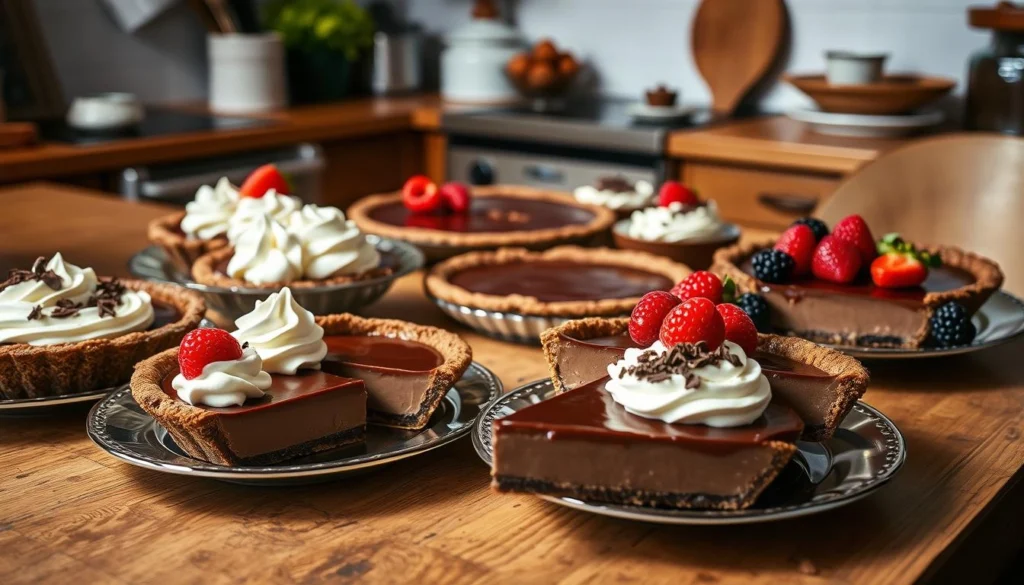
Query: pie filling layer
[296, 410]
[559, 281]
[488, 214]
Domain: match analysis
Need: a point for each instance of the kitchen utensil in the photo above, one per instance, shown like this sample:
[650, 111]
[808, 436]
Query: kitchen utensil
[995, 87]
[735, 43]
[863, 126]
[472, 66]
[222, 14]
[15, 134]
[849, 68]
[396, 62]
[246, 72]
[105, 111]
[893, 94]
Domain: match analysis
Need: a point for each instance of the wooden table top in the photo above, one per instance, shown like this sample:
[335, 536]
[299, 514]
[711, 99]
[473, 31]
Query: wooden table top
[67, 508]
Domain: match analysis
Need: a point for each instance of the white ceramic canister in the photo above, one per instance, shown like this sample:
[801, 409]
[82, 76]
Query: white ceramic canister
[246, 72]
[473, 64]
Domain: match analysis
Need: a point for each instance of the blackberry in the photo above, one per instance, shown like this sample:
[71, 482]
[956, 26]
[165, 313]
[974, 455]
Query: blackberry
[755, 306]
[773, 265]
[951, 326]
[817, 226]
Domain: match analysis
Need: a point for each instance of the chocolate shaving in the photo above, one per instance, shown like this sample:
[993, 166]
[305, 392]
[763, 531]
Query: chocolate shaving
[37, 312]
[681, 359]
[107, 297]
[65, 308]
[245, 346]
[617, 184]
[38, 272]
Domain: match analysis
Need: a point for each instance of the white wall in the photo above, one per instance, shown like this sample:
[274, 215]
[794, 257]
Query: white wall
[637, 43]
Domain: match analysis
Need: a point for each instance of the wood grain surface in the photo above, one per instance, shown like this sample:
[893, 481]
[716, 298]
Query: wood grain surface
[71, 513]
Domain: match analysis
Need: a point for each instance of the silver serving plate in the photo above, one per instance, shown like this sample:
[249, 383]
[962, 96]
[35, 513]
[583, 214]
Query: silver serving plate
[998, 321]
[865, 453]
[233, 302]
[119, 426]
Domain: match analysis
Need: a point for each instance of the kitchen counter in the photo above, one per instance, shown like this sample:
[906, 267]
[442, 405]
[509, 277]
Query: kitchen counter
[952, 515]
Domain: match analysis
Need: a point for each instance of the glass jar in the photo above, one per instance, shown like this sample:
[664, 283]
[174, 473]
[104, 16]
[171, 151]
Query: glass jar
[995, 86]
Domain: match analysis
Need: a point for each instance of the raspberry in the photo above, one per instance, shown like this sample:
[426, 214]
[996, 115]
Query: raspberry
[739, 328]
[205, 346]
[676, 192]
[691, 321]
[700, 284]
[645, 321]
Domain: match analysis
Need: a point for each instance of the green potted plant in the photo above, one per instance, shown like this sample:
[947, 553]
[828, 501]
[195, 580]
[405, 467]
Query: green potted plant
[325, 41]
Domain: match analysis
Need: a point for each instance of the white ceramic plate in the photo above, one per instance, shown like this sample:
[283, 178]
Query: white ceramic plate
[862, 126]
[642, 111]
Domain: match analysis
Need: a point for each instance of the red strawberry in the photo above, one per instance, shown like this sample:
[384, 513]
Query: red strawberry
[676, 192]
[262, 180]
[455, 196]
[204, 346]
[836, 260]
[799, 242]
[692, 321]
[855, 230]
[739, 328]
[419, 194]
[700, 284]
[645, 321]
[901, 263]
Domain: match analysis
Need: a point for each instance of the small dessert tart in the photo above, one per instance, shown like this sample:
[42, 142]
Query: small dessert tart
[497, 216]
[316, 247]
[65, 331]
[617, 193]
[846, 288]
[201, 228]
[567, 281]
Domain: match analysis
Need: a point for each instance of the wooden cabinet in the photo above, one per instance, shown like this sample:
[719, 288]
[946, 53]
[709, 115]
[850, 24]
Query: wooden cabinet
[759, 197]
[356, 167]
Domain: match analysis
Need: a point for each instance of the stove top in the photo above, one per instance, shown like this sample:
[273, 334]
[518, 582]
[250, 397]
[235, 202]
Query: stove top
[157, 122]
[600, 124]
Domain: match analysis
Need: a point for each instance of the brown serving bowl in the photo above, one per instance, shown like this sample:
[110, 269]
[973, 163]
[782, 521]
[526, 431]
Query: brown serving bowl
[697, 254]
[893, 94]
[544, 71]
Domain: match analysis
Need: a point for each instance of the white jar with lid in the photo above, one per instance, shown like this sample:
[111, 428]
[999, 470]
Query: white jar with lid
[473, 64]
[246, 72]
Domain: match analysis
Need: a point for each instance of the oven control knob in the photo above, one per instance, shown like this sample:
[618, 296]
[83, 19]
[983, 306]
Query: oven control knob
[481, 173]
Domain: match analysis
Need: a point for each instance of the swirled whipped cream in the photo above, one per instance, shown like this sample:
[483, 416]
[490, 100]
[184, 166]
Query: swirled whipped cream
[331, 244]
[284, 334]
[266, 252]
[208, 215]
[676, 223]
[58, 302]
[686, 384]
[227, 383]
[278, 206]
[616, 193]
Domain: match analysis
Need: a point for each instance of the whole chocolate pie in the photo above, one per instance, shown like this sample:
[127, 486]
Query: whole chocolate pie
[567, 281]
[502, 215]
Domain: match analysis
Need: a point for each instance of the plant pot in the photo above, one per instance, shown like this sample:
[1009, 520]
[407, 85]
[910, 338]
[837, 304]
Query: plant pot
[318, 75]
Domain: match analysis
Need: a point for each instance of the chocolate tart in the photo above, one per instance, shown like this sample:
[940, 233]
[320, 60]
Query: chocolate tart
[502, 215]
[567, 281]
[300, 415]
[661, 97]
[211, 270]
[697, 253]
[819, 383]
[860, 313]
[407, 368]
[182, 251]
[28, 371]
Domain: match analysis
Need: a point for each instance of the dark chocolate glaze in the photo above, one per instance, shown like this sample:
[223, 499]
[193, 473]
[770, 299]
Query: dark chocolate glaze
[488, 214]
[306, 384]
[556, 280]
[379, 353]
[589, 412]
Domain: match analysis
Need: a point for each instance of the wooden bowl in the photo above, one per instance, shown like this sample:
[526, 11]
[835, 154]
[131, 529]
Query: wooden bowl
[893, 94]
[697, 254]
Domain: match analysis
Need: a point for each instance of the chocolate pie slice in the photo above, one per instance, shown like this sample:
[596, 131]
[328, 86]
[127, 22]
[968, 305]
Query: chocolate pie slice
[567, 281]
[820, 384]
[502, 215]
[861, 313]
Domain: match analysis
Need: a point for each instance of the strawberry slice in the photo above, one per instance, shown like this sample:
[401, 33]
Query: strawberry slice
[420, 195]
[901, 264]
[264, 179]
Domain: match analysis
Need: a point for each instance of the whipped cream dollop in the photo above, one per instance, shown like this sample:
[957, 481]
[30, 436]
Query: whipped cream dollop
[227, 383]
[278, 206]
[676, 223]
[284, 334]
[614, 195]
[62, 303]
[266, 252]
[209, 214]
[685, 385]
[331, 244]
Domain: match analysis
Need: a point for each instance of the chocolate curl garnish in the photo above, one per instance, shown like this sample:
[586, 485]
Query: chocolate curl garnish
[37, 312]
[65, 308]
[107, 297]
[680, 359]
[38, 272]
[245, 346]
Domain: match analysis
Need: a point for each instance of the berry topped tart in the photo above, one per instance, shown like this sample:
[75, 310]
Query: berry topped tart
[287, 384]
[846, 287]
[451, 219]
[65, 331]
[692, 409]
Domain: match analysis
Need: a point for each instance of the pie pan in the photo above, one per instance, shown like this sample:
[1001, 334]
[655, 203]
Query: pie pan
[864, 454]
[232, 302]
[505, 326]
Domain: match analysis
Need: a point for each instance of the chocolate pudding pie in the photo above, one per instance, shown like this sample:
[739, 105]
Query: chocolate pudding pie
[860, 312]
[65, 331]
[566, 281]
[498, 216]
[203, 226]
